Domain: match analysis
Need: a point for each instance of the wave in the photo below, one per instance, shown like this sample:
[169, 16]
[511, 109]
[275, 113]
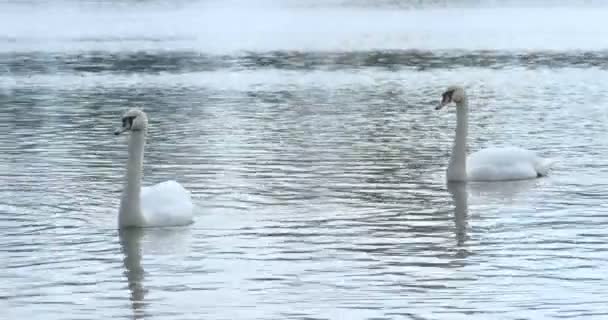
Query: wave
[191, 61]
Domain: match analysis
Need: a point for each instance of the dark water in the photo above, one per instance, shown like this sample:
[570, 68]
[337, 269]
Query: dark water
[315, 158]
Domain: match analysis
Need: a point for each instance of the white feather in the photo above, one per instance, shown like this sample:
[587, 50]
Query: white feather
[166, 204]
[506, 163]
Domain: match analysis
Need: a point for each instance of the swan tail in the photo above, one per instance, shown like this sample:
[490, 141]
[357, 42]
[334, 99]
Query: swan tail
[543, 166]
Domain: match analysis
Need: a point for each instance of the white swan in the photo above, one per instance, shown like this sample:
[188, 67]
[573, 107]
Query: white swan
[491, 164]
[163, 204]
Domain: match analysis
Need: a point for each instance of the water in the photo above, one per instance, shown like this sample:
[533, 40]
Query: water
[307, 134]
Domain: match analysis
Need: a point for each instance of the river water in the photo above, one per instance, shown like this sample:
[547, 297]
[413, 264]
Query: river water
[307, 135]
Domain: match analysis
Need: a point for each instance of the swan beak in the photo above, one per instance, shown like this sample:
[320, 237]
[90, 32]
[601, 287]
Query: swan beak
[119, 131]
[440, 106]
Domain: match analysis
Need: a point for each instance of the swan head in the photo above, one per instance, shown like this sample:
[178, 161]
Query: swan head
[133, 120]
[452, 94]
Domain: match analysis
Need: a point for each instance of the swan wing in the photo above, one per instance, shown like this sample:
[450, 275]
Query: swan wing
[166, 204]
[506, 163]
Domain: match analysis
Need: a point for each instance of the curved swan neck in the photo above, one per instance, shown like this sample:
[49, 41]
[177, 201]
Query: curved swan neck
[457, 169]
[130, 205]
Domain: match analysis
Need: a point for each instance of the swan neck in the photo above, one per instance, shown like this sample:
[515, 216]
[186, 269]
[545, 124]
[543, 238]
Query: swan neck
[457, 168]
[130, 207]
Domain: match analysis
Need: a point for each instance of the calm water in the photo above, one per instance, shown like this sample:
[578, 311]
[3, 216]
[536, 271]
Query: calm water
[308, 138]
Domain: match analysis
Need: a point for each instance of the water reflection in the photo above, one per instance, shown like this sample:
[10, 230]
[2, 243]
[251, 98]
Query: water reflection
[154, 242]
[131, 240]
[458, 191]
[501, 193]
[504, 190]
[318, 190]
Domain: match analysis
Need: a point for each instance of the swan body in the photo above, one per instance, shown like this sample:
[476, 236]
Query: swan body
[163, 204]
[166, 204]
[507, 163]
[490, 164]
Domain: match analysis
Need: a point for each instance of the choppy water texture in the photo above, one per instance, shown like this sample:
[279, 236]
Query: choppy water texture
[307, 134]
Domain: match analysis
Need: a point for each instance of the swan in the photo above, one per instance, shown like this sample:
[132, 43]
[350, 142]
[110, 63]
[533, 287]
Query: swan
[163, 204]
[491, 164]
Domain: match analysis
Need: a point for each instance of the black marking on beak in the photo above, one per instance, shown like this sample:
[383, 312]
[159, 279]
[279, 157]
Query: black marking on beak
[446, 97]
[127, 122]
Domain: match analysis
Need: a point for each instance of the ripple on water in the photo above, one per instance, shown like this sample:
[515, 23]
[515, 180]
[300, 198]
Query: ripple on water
[320, 189]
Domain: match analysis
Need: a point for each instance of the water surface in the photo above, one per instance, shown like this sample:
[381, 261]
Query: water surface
[315, 158]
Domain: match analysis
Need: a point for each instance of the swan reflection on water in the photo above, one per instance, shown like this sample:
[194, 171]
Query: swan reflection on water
[504, 191]
[155, 241]
[458, 191]
[130, 241]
